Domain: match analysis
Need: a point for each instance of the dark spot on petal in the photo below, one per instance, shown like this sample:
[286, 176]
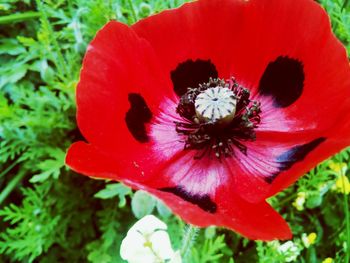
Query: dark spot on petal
[283, 79]
[137, 116]
[271, 178]
[192, 73]
[294, 155]
[203, 201]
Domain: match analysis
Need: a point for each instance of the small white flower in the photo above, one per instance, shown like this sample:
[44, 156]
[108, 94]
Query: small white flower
[147, 241]
[176, 258]
[289, 250]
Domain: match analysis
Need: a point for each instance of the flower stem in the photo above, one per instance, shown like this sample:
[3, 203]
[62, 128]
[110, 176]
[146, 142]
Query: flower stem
[11, 185]
[14, 18]
[133, 12]
[287, 199]
[347, 222]
[188, 239]
[9, 168]
[346, 211]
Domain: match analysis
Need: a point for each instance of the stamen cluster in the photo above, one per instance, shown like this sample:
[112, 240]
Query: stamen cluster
[214, 136]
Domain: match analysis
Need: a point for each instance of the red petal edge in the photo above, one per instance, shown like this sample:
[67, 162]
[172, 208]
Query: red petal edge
[255, 221]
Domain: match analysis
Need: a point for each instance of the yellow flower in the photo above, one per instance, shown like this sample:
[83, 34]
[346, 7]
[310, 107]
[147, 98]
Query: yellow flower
[300, 201]
[312, 237]
[342, 185]
[339, 168]
[309, 239]
[328, 260]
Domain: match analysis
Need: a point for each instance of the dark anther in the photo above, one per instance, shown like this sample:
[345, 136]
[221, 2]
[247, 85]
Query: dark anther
[203, 201]
[137, 116]
[283, 80]
[213, 130]
[192, 73]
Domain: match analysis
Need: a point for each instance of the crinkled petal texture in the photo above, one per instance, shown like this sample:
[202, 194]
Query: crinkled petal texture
[132, 77]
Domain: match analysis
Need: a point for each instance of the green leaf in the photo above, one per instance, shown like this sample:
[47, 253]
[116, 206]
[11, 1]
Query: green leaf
[13, 72]
[162, 209]
[210, 232]
[50, 167]
[314, 200]
[113, 190]
[96, 255]
[11, 47]
[142, 204]
[311, 255]
[27, 41]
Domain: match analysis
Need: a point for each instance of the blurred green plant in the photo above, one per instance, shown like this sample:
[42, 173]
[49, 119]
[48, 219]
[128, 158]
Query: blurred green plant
[50, 214]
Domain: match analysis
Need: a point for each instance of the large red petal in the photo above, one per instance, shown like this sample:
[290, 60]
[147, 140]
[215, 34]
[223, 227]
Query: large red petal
[117, 63]
[120, 67]
[243, 37]
[197, 30]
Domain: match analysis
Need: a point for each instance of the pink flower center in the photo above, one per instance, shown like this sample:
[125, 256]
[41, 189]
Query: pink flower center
[217, 117]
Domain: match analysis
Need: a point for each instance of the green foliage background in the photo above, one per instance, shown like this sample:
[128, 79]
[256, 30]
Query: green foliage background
[50, 214]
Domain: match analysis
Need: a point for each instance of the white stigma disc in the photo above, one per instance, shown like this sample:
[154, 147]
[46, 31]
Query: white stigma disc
[216, 104]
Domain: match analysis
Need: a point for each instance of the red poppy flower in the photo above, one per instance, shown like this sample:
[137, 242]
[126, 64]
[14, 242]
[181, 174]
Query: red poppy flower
[214, 107]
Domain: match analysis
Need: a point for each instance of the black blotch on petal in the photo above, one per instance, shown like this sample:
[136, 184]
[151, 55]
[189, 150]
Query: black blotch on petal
[192, 73]
[283, 79]
[203, 201]
[137, 116]
[293, 155]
